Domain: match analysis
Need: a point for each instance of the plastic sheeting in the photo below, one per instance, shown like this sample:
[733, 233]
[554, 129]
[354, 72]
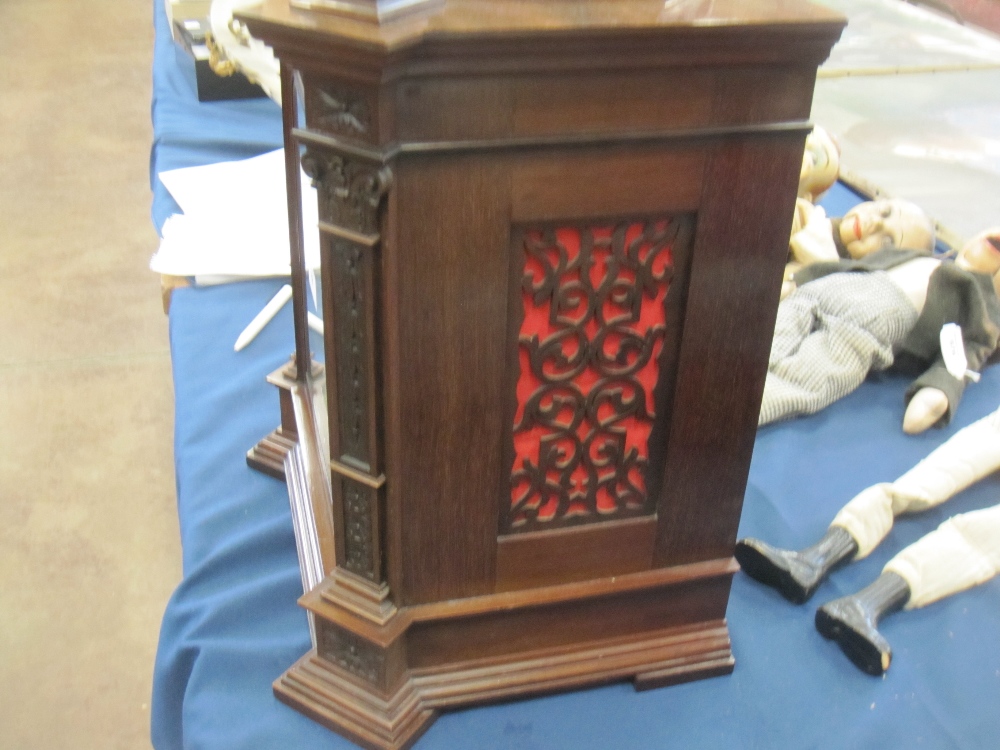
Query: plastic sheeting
[914, 101]
[931, 138]
[890, 35]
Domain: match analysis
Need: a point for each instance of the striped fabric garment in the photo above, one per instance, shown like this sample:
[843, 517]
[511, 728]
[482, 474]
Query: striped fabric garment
[829, 334]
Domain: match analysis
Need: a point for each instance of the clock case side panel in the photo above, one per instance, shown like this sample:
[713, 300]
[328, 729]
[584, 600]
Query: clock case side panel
[449, 428]
[467, 196]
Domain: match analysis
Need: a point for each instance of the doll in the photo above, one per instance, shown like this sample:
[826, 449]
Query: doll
[233, 49]
[820, 165]
[885, 305]
[963, 551]
[869, 226]
[864, 229]
[811, 237]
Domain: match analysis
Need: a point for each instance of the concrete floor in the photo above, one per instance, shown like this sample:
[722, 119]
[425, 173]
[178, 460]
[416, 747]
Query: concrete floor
[89, 544]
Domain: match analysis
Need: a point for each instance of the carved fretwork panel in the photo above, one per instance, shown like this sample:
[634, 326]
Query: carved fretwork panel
[350, 189]
[350, 653]
[340, 110]
[590, 343]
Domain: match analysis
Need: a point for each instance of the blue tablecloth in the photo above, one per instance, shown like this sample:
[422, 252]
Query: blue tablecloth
[233, 624]
[189, 133]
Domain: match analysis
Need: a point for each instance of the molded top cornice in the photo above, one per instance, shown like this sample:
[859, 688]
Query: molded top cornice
[511, 36]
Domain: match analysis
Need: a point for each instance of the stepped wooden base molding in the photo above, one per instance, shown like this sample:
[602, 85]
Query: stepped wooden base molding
[337, 699]
[268, 456]
[330, 696]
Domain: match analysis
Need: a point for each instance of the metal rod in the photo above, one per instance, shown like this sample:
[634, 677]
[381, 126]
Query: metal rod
[293, 188]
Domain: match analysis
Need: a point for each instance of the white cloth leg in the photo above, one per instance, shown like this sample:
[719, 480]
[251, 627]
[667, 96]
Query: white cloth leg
[969, 455]
[962, 552]
[867, 517]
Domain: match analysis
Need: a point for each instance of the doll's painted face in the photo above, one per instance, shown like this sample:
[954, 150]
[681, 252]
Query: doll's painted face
[982, 254]
[820, 164]
[887, 222]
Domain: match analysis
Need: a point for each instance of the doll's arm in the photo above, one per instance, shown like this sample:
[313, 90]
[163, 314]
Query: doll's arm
[953, 295]
[933, 398]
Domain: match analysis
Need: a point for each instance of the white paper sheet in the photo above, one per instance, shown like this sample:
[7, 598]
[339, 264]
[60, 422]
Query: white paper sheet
[235, 221]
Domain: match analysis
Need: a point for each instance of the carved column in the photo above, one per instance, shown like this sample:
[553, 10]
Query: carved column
[351, 184]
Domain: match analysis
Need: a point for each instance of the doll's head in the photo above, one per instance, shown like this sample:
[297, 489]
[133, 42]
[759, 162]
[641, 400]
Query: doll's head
[820, 165]
[887, 222]
[982, 254]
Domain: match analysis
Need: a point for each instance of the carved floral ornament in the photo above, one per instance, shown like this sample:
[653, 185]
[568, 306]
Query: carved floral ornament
[352, 313]
[589, 348]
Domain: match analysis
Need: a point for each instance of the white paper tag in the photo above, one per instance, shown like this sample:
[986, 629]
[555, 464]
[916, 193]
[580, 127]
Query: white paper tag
[953, 351]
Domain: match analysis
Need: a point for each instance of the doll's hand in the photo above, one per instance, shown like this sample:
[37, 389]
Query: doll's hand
[788, 282]
[926, 407]
[813, 243]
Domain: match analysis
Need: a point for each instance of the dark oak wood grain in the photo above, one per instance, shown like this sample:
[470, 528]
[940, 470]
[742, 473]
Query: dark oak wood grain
[731, 305]
[548, 557]
[461, 151]
[450, 426]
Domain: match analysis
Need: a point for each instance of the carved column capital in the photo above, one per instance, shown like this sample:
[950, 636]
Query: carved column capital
[350, 189]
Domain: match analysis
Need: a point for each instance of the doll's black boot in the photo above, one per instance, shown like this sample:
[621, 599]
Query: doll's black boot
[852, 621]
[796, 574]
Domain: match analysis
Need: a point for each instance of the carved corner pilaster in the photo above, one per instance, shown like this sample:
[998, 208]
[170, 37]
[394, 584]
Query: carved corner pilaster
[350, 188]
[352, 183]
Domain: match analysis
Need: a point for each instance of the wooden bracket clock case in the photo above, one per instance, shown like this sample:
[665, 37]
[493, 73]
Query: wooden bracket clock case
[552, 242]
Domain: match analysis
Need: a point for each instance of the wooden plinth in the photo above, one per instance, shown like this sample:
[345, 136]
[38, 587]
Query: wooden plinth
[333, 697]
[380, 675]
